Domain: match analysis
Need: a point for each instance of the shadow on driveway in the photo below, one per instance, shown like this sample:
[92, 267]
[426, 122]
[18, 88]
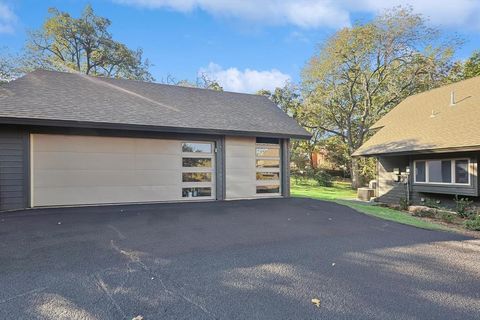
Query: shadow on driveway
[257, 259]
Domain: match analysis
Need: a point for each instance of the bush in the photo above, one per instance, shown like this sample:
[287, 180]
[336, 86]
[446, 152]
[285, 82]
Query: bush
[323, 179]
[473, 223]
[432, 203]
[403, 204]
[446, 216]
[425, 213]
[463, 207]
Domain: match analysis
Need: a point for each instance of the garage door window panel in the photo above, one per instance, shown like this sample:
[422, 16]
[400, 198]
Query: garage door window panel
[197, 177]
[196, 192]
[197, 147]
[267, 164]
[197, 162]
[198, 172]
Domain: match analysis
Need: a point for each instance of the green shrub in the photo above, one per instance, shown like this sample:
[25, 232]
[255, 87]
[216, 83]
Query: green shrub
[473, 223]
[425, 213]
[323, 179]
[446, 216]
[403, 204]
[432, 203]
[463, 207]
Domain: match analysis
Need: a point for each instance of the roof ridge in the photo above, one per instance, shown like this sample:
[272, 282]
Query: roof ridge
[103, 78]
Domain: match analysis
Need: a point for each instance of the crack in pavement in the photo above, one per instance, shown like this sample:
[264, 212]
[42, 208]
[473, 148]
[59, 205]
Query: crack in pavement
[120, 235]
[104, 288]
[37, 290]
[136, 259]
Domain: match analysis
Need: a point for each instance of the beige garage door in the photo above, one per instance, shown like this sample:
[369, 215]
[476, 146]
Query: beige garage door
[70, 170]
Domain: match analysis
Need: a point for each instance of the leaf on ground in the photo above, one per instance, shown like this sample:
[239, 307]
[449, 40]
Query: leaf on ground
[316, 302]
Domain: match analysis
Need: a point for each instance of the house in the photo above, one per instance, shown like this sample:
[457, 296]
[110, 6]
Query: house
[72, 139]
[428, 146]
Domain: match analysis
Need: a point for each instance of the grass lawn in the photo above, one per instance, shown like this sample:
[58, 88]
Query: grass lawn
[341, 193]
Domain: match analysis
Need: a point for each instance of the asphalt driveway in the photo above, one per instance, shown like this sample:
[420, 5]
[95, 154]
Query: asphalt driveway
[260, 259]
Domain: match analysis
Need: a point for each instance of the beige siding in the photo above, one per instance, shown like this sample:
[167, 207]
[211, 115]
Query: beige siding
[240, 172]
[68, 170]
[388, 189]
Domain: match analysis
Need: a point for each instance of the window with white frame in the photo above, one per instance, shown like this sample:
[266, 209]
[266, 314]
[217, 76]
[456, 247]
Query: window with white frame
[442, 171]
[198, 172]
[267, 162]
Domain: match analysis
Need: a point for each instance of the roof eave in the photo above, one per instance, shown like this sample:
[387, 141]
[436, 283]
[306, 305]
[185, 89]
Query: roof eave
[137, 127]
[415, 152]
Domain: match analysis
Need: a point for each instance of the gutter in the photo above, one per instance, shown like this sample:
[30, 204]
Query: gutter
[423, 151]
[150, 128]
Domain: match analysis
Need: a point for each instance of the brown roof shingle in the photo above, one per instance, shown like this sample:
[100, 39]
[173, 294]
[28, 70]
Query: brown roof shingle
[427, 122]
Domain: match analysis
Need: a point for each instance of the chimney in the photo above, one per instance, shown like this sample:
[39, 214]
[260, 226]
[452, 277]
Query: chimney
[452, 98]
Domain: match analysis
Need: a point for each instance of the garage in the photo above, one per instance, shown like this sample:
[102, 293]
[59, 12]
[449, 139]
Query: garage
[74, 170]
[69, 140]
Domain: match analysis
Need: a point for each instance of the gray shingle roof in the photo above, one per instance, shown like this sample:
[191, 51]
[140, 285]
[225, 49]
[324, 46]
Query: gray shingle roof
[70, 97]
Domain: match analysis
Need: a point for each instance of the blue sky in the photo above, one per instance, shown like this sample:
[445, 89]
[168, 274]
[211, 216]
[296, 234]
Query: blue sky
[246, 45]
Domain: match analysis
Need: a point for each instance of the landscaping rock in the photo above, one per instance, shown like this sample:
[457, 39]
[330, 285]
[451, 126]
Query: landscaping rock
[420, 210]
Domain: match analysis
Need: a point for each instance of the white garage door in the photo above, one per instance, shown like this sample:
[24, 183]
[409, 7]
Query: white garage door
[70, 170]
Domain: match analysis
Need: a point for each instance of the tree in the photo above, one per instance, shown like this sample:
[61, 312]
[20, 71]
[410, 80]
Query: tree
[471, 67]
[202, 82]
[83, 45]
[462, 70]
[5, 70]
[288, 98]
[9, 69]
[361, 73]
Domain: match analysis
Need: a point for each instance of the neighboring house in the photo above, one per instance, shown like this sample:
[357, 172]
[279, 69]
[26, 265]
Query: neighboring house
[316, 160]
[435, 136]
[71, 139]
[320, 161]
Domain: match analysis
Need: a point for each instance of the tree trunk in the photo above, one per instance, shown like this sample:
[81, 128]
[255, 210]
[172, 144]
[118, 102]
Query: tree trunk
[311, 160]
[354, 171]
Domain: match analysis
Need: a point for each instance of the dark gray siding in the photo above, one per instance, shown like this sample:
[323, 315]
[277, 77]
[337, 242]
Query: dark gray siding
[388, 189]
[13, 169]
[285, 167]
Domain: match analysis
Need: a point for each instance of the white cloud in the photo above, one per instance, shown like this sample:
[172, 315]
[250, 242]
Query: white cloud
[458, 13]
[302, 13]
[321, 13]
[248, 80]
[7, 19]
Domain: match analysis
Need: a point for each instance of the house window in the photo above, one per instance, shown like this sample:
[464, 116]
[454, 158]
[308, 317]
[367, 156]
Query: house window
[442, 171]
[461, 171]
[268, 167]
[198, 172]
[420, 172]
